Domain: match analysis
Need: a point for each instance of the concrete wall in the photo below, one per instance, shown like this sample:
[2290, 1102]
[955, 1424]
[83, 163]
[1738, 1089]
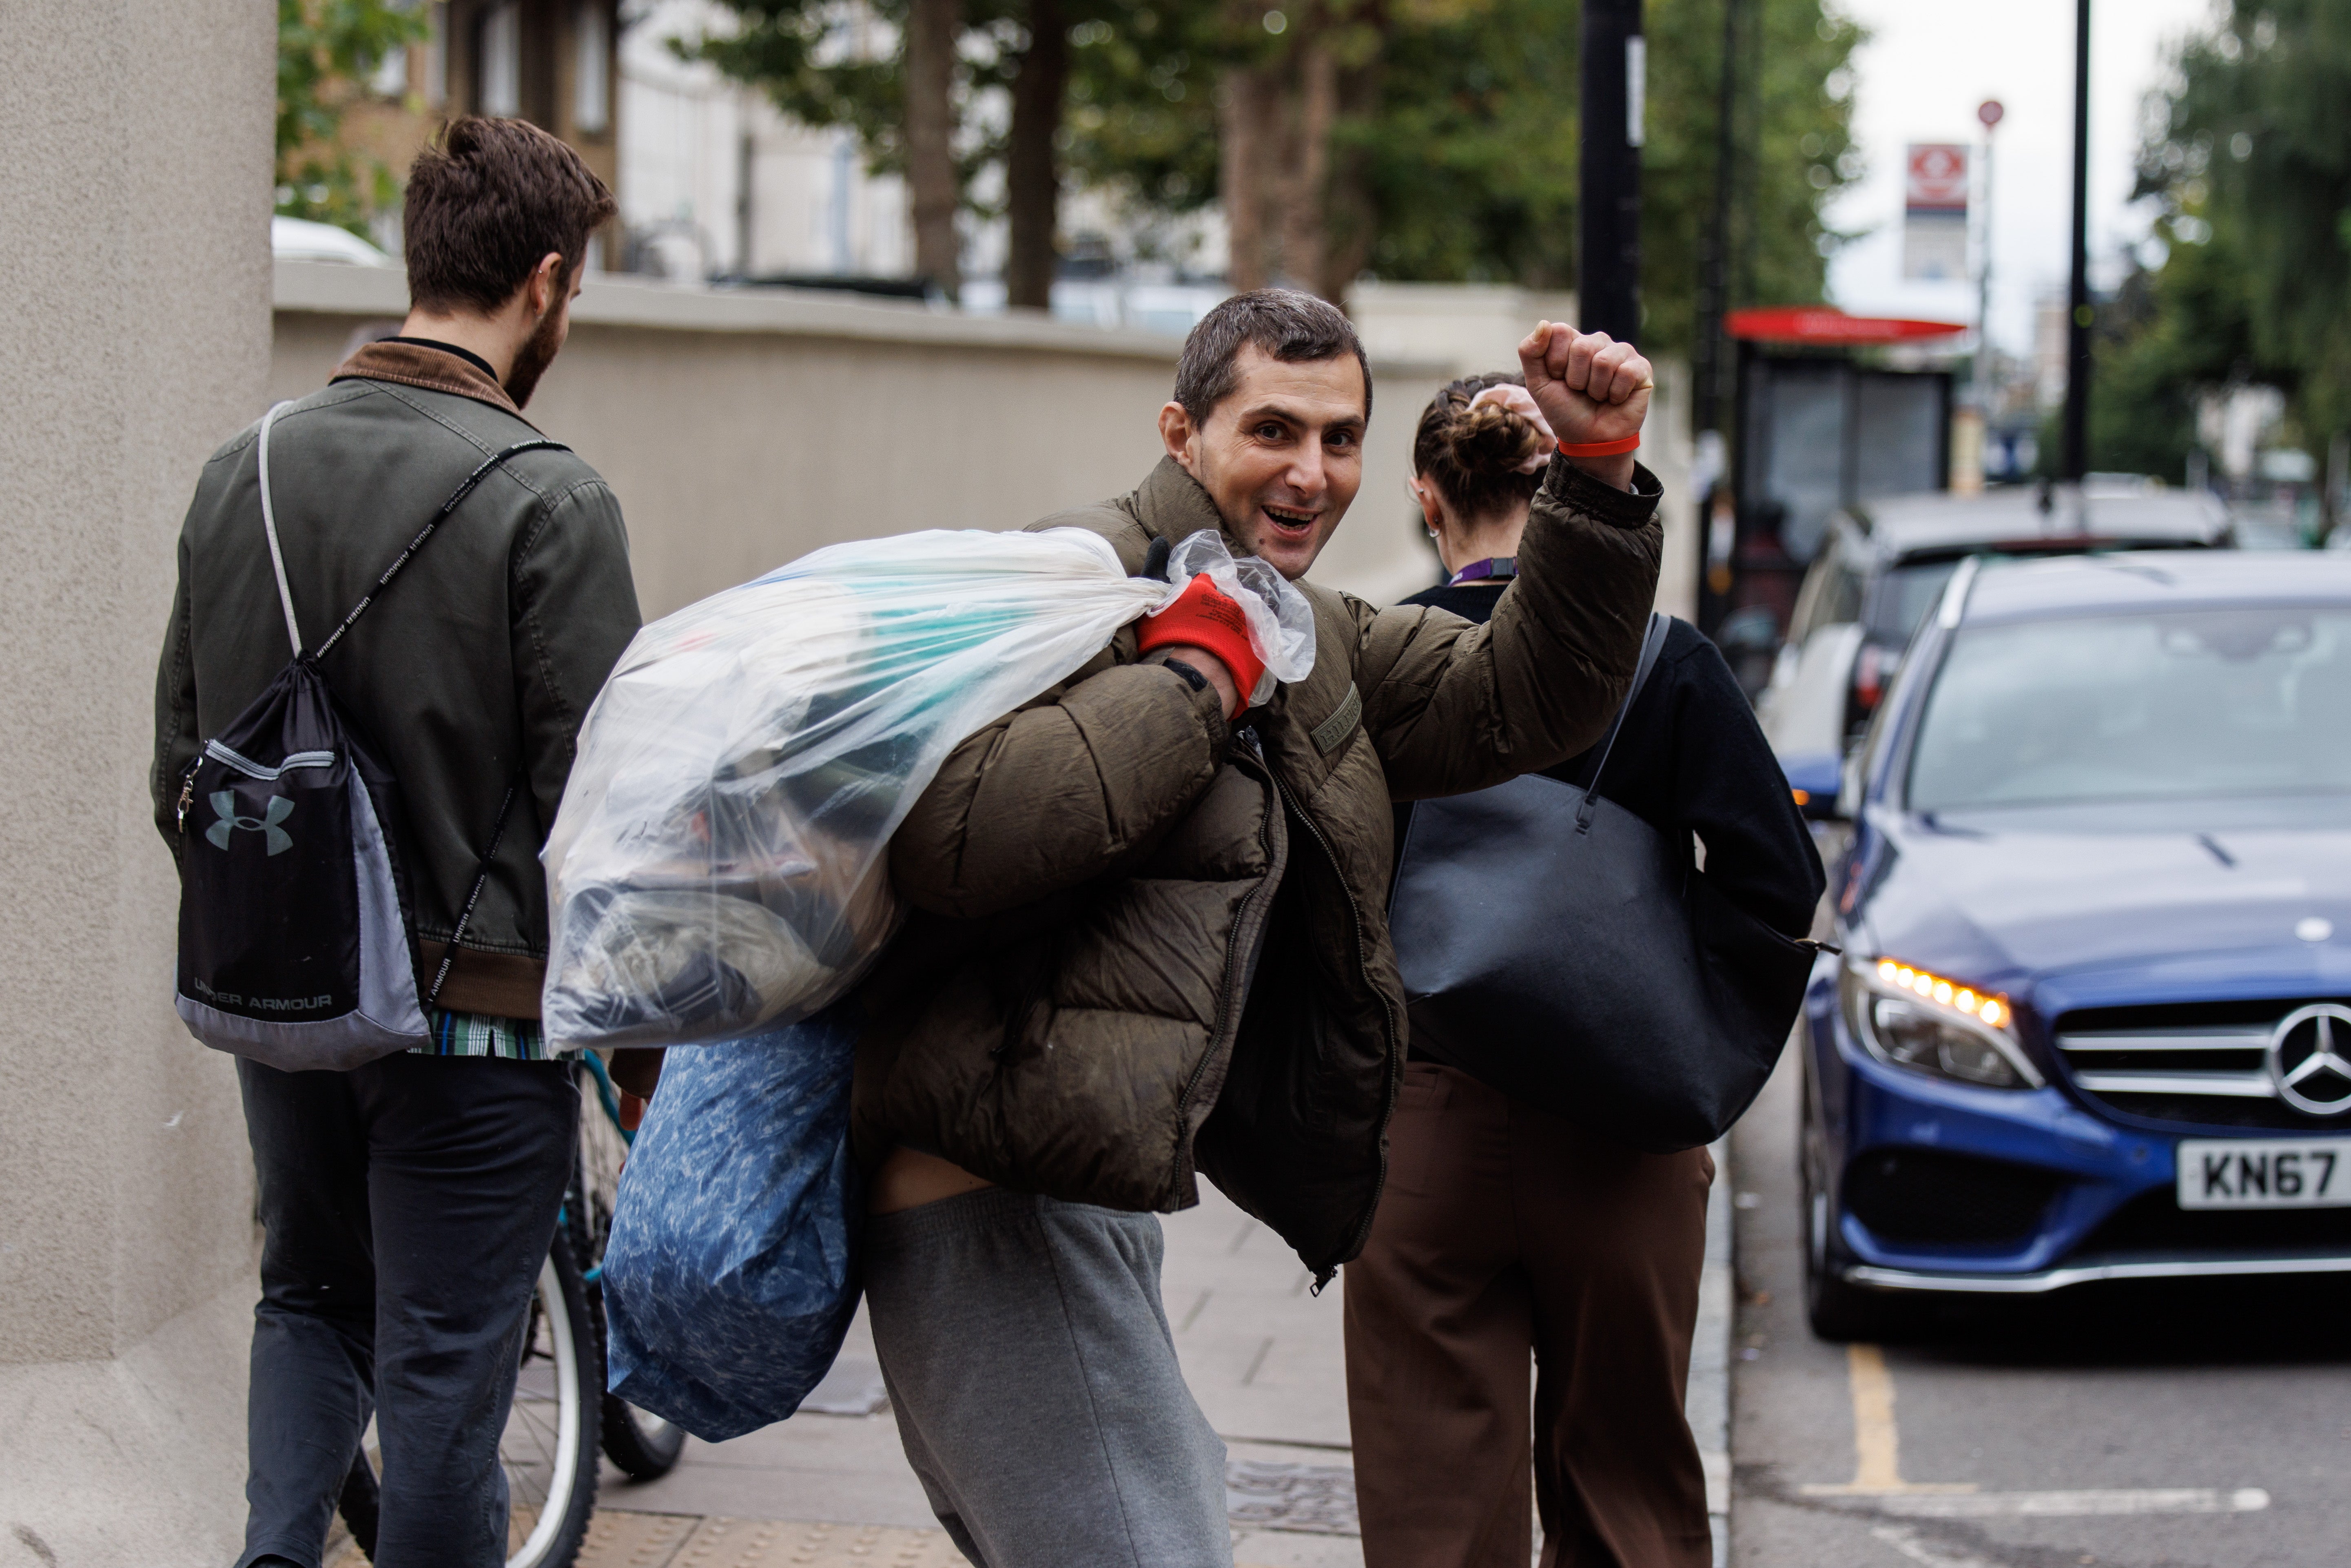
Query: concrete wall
[137, 185]
[743, 429]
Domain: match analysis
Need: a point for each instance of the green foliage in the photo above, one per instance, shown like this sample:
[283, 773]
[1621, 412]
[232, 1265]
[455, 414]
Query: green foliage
[1466, 138]
[2251, 171]
[810, 58]
[1141, 117]
[325, 49]
[1476, 143]
[805, 56]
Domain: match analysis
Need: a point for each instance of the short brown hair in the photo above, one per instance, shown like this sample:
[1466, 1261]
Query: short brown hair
[1285, 324]
[1473, 455]
[485, 201]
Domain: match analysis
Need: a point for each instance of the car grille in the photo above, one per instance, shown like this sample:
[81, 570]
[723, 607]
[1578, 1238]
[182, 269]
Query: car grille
[2200, 1062]
[1924, 1195]
[2154, 1222]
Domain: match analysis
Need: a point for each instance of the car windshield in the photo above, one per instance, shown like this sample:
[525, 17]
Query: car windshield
[1905, 596]
[2138, 707]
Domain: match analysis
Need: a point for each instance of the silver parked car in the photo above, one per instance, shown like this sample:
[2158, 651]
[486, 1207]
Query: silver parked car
[1884, 564]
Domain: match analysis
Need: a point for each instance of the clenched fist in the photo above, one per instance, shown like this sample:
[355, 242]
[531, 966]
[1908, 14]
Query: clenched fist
[1592, 389]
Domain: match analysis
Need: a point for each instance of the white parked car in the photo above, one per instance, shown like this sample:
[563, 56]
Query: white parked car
[299, 239]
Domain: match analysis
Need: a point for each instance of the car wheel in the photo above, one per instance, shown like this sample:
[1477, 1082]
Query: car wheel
[1837, 1311]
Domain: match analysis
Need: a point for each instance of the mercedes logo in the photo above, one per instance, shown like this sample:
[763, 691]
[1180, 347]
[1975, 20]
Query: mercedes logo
[2305, 1060]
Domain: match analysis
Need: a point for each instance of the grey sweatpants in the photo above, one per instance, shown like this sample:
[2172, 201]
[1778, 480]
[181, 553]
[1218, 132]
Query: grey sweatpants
[1030, 1362]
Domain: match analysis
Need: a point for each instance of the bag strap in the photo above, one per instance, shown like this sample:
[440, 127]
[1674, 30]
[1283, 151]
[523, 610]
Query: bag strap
[270, 527]
[1652, 642]
[495, 460]
[481, 878]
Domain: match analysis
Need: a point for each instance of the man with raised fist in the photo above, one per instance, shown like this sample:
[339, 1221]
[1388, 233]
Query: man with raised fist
[1149, 934]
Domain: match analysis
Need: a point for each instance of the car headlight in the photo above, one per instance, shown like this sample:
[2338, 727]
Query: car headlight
[1909, 1016]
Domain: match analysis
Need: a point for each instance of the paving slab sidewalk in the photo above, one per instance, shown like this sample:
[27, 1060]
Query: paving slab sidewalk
[1263, 1354]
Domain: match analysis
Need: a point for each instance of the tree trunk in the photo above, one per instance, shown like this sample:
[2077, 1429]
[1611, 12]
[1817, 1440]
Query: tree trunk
[932, 29]
[1349, 221]
[1032, 173]
[1247, 98]
[1305, 227]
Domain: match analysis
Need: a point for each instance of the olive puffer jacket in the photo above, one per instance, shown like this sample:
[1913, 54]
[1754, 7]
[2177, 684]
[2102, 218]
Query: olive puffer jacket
[1145, 945]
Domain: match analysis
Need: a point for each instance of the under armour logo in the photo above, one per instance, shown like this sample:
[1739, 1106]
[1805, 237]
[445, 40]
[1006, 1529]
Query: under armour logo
[224, 806]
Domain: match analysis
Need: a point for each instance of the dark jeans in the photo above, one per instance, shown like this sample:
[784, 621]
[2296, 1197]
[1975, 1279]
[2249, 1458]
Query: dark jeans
[409, 1205]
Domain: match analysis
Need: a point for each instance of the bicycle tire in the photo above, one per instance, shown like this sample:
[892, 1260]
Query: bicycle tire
[538, 1448]
[549, 1445]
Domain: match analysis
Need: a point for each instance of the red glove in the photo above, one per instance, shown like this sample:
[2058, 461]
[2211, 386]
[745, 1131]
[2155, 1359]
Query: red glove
[1204, 617]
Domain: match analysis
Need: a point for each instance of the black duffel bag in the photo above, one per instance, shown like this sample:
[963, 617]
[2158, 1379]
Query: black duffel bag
[1558, 948]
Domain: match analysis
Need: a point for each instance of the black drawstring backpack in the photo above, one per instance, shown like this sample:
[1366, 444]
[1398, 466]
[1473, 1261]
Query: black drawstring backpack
[296, 923]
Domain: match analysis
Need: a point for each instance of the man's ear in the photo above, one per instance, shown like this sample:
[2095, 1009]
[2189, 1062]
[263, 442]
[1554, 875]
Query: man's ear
[545, 282]
[1176, 430]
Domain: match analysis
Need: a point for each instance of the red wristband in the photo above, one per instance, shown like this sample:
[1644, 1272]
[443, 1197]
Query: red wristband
[1204, 617]
[1600, 448]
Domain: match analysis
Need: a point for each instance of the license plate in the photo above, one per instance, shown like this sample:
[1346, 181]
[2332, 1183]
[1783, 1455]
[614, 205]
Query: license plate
[2268, 1173]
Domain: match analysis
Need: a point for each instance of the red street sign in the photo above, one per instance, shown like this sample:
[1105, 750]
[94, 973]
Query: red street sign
[1938, 177]
[1820, 324]
[1989, 112]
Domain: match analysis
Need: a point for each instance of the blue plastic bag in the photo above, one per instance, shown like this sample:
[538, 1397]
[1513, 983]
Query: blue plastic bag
[731, 1278]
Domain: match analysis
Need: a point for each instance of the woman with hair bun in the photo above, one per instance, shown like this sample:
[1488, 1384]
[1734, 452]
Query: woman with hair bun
[1506, 1230]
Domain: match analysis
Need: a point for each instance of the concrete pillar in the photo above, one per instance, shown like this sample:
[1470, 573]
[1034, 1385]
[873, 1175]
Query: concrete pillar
[135, 174]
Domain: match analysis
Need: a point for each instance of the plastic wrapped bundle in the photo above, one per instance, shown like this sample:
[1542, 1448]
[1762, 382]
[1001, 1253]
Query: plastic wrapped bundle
[718, 866]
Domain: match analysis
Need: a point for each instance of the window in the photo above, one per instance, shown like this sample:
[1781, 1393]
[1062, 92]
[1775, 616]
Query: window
[497, 61]
[2188, 705]
[591, 80]
[436, 60]
[389, 78]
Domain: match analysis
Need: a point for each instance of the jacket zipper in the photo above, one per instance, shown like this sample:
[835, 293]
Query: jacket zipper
[1233, 946]
[188, 793]
[1396, 1057]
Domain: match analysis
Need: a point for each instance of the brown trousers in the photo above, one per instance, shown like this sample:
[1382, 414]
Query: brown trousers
[1503, 1230]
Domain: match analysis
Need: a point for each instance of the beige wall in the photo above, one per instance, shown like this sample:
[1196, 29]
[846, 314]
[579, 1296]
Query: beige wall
[136, 294]
[741, 430]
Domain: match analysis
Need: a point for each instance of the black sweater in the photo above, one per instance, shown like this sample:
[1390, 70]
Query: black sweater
[1691, 759]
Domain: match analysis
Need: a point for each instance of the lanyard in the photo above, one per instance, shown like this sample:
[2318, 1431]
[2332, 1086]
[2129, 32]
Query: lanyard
[1493, 567]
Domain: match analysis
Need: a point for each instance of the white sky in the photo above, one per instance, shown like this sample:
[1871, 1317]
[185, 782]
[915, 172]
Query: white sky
[1927, 66]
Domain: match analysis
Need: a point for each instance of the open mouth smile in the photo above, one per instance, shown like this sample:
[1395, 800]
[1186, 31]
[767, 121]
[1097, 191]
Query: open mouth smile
[1290, 522]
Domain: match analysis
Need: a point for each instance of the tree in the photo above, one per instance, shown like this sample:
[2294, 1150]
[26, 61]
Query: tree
[919, 108]
[326, 49]
[1448, 138]
[2249, 163]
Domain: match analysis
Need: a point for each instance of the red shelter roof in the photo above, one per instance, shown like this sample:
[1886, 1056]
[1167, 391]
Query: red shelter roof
[1823, 324]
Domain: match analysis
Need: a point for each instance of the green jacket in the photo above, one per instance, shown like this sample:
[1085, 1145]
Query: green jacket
[482, 656]
[1144, 946]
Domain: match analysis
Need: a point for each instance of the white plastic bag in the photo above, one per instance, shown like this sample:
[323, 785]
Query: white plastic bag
[1281, 621]
[719, 866]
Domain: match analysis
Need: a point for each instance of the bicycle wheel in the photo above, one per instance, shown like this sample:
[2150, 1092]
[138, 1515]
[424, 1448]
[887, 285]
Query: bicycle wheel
[548, 1447]
[641, 1443]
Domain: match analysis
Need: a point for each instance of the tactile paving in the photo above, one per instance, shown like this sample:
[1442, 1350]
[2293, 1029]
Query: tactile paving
[669, 1541]
[617, 1539]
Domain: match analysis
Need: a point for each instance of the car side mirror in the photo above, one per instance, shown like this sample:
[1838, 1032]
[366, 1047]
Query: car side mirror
[1814, 779]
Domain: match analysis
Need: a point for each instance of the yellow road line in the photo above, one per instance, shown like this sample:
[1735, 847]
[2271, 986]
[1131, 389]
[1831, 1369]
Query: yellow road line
[1876, 1440]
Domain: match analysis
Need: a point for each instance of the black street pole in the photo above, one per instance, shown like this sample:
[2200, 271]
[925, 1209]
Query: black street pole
[2077, 323]
[1715, 267]
[1608, 205]
[1713, 299]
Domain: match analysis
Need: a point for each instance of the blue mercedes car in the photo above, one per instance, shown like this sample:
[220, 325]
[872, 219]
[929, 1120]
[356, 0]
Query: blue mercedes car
[2093, 1016]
